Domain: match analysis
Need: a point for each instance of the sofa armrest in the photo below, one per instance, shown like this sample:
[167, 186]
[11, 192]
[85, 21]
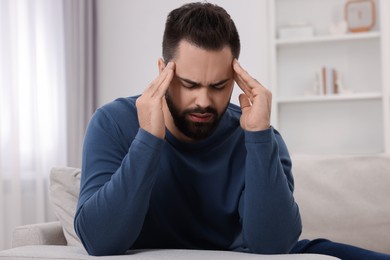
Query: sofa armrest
[50, 233]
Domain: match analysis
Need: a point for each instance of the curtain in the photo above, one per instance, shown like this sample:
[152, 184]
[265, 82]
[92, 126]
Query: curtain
[80, 72]
[46, 98]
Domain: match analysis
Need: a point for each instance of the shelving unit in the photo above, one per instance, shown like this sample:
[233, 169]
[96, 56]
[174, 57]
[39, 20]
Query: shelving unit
[328, 38]
[329, 98]
[358, 119]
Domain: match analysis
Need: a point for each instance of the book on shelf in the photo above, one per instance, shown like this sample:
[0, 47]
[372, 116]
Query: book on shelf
[327, 81]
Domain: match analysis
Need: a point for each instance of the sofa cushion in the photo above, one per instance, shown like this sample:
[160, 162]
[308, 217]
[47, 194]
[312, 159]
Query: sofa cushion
[342, 198]
[64, 192]
[77, 253]
[48, 233]
[345, 198]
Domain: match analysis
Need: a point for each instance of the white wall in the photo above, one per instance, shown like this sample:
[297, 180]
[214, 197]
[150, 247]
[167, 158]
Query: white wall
[129, 38]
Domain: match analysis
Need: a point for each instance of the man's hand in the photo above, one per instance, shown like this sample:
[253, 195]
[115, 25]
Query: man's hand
[255, 102]
[149, 105]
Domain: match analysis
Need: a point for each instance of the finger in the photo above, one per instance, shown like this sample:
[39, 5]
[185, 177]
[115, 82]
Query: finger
[240, 82]
[244, 102]
[166, 73]
[244, 75]
[155, 84]
[164, 85]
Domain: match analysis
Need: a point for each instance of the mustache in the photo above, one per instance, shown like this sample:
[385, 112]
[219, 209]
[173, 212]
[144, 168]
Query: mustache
[201, 110]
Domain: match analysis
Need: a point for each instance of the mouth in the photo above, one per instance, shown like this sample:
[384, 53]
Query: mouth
[201, 117]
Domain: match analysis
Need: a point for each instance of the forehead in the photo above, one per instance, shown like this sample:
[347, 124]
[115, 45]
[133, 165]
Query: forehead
[204, 66]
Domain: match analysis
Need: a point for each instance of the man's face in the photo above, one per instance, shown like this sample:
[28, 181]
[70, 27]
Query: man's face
[200, 90]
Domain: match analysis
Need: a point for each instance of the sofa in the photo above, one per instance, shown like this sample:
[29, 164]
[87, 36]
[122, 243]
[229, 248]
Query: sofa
[344, 198]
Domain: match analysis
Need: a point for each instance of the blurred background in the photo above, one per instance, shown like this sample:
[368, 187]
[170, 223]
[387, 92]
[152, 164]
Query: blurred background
[326, 62]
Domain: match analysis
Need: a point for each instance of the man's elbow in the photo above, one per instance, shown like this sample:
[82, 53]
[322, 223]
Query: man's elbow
[98, 245]
[273, 243]
[271, 248]
[101, 247]
[103, 251]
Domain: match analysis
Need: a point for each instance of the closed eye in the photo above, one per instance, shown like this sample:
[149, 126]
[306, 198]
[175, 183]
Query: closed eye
[188, 85]
[220, 86]
[191, 84]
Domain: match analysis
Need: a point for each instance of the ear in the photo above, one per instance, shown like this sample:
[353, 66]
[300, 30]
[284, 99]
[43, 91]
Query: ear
[161, 65]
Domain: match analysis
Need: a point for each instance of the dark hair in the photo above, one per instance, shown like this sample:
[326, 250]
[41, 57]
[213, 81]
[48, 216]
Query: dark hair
[205, 25]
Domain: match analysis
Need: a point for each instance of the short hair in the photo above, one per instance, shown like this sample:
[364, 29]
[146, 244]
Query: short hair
[205, 25]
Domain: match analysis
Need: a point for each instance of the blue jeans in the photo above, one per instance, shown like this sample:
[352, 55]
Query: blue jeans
[342, 251]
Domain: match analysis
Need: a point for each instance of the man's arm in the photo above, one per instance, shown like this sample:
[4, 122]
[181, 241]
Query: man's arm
[117, 181]
[270, 217]
[115, 187]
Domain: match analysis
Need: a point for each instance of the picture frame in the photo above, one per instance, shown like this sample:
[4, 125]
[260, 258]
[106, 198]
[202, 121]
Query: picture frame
[360, 15]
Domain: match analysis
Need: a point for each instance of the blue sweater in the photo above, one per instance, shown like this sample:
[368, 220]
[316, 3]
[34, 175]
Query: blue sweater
[232, 191]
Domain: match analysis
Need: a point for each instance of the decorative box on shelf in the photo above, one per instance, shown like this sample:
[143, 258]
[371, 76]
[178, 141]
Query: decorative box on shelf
[296, 31]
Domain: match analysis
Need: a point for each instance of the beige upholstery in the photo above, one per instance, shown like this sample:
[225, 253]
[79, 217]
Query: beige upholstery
[345, 199]
[77, 253]
[342, 198]
[64, 192]
[50, 233]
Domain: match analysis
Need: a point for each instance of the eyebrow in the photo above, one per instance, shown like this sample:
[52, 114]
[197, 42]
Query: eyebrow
[198, 84]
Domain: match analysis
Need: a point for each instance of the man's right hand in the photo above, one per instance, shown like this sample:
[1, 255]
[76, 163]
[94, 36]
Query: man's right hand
[150, 104]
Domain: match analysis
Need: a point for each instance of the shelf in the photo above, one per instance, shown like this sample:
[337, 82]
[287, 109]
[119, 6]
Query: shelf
[328, 38]
[356, 120]
[338, 97]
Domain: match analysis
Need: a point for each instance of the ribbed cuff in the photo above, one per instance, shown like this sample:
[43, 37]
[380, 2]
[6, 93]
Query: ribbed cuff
[148, 139]
[263, 136]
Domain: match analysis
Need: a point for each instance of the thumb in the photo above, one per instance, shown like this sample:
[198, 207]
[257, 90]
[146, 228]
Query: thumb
[244, 102]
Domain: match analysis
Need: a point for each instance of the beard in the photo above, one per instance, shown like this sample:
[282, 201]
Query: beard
[195, 130]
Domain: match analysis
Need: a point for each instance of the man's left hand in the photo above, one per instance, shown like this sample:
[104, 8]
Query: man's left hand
[255, 102]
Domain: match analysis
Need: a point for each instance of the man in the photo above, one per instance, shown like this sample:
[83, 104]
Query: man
[181, 167]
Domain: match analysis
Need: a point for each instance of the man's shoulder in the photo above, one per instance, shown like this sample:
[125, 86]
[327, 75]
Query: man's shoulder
[118, 117]
[122, 104]
[119, 111]
[119, 108]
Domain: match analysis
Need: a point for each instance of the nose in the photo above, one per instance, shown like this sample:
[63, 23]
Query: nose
[202, 98]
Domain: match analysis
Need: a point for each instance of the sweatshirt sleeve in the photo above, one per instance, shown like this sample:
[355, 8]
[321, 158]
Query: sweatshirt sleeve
[116, 185]
[269, 214]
